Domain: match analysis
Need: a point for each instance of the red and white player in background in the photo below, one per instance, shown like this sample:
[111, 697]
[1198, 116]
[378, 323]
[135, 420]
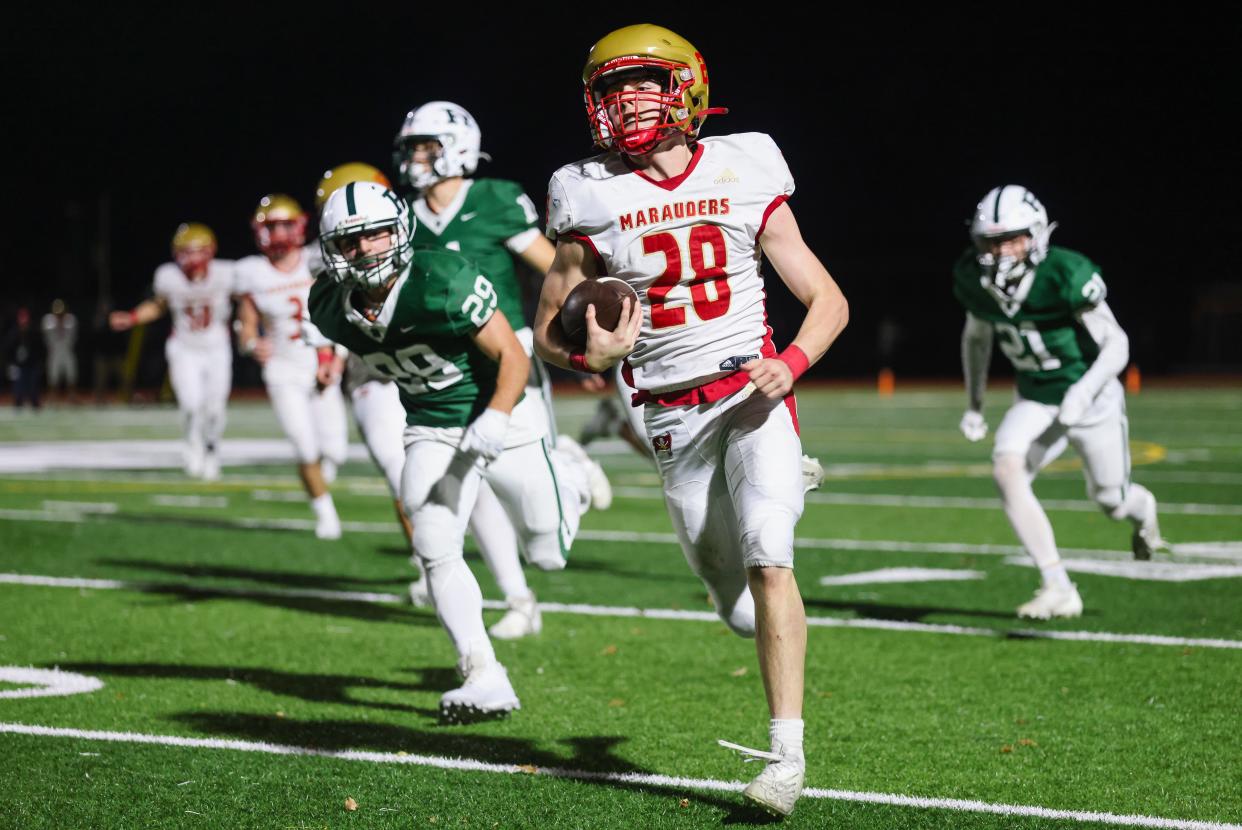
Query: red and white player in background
[684, 220]
[274, 289]
[197, 289]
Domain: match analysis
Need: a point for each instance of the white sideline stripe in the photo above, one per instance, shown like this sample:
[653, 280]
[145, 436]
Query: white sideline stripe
[586, 610]
[902, 575]
[1208, 550]
[41, 516]
[1145, 571]
[643, 779]
[103, 508]
[278, 495]
[967, 503]
[166, 500]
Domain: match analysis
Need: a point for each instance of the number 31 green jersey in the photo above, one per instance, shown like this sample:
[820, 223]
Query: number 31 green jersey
[421, 337]
[1037, 325]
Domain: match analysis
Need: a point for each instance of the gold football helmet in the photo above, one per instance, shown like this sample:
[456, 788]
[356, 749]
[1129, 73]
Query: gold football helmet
[343, 174]
[644, 52]
[193, 246]
[279, 224]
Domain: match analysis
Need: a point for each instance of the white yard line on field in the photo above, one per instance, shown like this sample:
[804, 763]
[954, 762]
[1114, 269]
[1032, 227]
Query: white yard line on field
[166, 500]
[663, 782]
[585, 609]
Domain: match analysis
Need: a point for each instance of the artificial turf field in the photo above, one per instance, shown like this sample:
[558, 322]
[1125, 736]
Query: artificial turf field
[253, 676]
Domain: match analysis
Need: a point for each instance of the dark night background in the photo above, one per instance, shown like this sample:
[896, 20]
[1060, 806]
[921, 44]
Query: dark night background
[894, 124]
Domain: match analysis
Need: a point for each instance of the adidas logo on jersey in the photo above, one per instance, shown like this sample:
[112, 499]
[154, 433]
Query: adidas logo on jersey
[727, 177]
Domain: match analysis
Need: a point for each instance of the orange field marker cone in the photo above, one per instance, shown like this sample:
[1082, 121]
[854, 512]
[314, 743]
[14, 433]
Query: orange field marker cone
[1134, 381]
[885, 383]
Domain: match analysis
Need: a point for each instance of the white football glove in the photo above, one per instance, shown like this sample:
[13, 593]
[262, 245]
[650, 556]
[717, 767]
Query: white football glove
[973, 426]
[485, 437]
[1074, 406]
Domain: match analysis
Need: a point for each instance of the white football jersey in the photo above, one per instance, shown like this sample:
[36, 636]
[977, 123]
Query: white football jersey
[199, 308]
[688, 246]
[281, 299]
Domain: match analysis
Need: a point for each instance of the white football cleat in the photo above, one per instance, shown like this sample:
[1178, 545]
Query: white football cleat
[420, 594]
[328, 525]
[1051, 601]
[604, 423]
[812, 474]
[487, 692]
[601, 490]
[1146, 539]
[777, 788]
[194, 460]
[211, 466]
[521, 620]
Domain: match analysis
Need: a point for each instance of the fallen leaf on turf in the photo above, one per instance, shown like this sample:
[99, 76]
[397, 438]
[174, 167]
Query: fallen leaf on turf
[685, 802]
[615, 702]
[609, 651]
[1026, 742]
[280, 714]
[529, 769]
[738, 672]
[402, 753]
[1006, 748]
[1020, 721]
[351, 805]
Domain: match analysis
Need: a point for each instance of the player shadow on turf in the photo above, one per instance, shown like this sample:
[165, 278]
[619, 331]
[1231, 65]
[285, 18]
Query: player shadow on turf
[344, 609]
[290, 579]
[590, 753]
[312, 687]
[900, 613]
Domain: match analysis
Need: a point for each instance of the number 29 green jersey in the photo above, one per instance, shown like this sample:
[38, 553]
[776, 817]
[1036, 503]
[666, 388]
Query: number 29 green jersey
[421, 337]
[1037, 325]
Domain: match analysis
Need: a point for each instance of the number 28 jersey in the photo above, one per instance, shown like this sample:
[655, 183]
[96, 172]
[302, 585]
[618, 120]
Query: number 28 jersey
[688, 246]
[1037, 326]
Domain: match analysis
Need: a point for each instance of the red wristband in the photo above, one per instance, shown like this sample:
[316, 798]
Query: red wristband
[577, 360]
[795, 359]
[326, 355]
[133, 319]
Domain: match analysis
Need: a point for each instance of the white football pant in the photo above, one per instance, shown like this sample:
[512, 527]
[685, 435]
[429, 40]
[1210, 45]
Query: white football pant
[732, 473]
[314, 421]
[201, 379]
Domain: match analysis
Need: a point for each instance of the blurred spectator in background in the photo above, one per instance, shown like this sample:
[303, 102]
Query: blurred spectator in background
[108, 348]
[22, 349]
[60, 334]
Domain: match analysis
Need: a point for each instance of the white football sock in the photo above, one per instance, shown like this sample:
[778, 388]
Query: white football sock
[1139, 506]
[1055, 576]
[786, 730]
[459, 605]
[323, 506]
[1025, 513]
[498, 543]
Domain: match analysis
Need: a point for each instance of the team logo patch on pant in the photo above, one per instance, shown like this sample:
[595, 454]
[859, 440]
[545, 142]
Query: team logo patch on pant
[663, 444]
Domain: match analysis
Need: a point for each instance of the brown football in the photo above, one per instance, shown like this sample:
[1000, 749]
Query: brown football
[606, 294]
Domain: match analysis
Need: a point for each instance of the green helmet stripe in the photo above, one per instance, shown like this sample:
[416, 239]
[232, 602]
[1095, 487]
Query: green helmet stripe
[350, 207]
[996, 210]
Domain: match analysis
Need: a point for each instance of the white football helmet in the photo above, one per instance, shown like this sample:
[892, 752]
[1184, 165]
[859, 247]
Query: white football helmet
[459, 138]
[1007, 211]
[357, 210]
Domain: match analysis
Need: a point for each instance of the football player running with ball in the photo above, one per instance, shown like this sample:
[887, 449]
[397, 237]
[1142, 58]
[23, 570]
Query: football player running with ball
[429, 320]
[491, 221]
[1046, 306]
[683, 221]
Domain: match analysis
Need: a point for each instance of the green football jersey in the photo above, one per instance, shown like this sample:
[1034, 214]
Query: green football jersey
[421, 338]
[489, 221]
[1037, 326]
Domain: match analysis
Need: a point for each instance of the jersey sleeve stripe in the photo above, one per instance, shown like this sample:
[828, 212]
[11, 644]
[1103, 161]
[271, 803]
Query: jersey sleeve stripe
[777, 202]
